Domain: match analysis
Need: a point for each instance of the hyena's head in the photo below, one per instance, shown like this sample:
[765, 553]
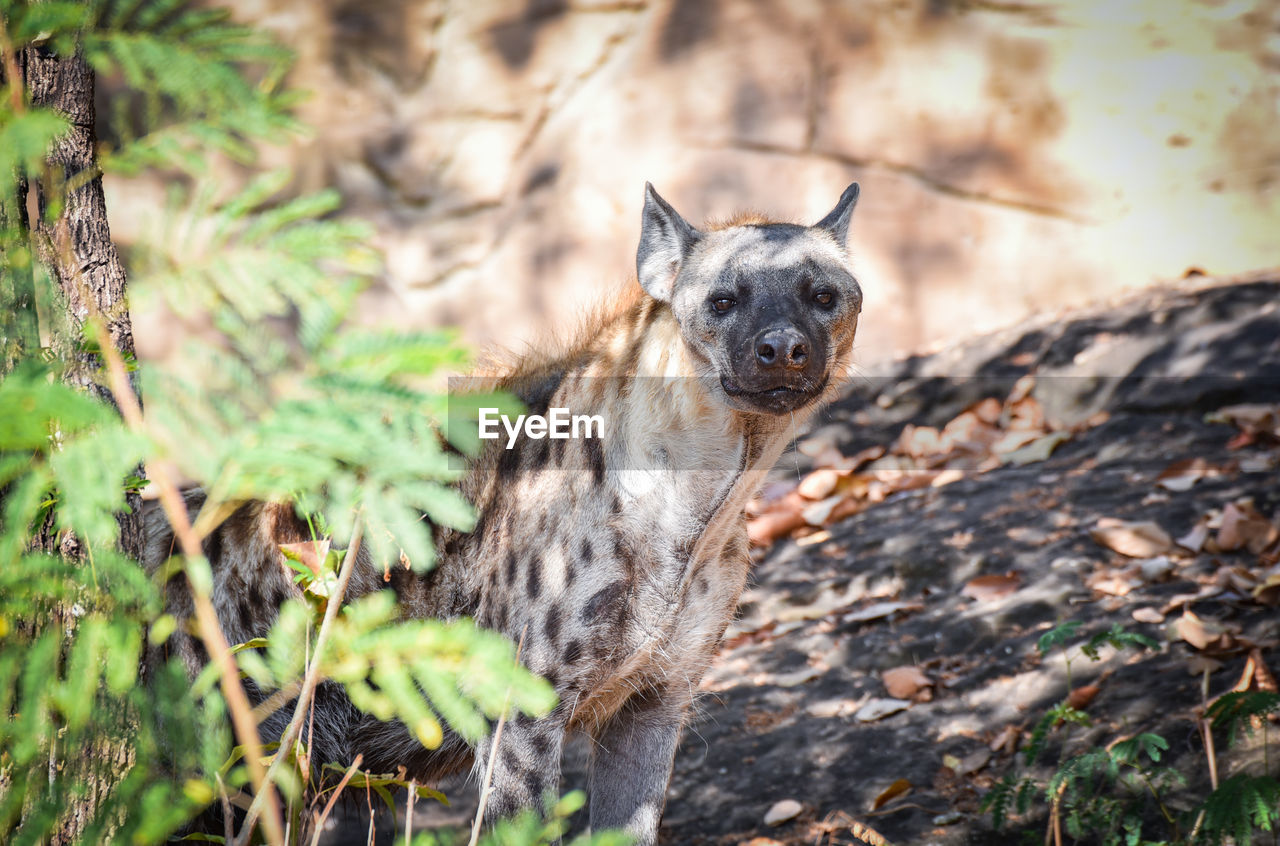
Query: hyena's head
[768, 308]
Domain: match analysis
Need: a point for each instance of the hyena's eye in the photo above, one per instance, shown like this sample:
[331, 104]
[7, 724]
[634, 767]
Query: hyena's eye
[824, 298]
[722, 304]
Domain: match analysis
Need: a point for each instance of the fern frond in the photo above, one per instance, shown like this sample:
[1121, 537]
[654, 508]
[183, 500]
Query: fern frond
[1240, 805]
[1127, 752]
[1057, 636]
[1233, 710]
[998, 799]
[1055, 716]
[1120, 638]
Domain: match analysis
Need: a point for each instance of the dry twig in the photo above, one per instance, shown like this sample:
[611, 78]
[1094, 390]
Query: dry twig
[215, 643]
[493, 754]
[312, 677]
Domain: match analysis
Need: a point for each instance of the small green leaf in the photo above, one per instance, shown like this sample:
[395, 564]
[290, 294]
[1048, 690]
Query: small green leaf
[1057, 636]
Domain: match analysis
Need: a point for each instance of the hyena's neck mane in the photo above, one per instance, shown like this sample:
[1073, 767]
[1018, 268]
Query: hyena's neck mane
[669, 432]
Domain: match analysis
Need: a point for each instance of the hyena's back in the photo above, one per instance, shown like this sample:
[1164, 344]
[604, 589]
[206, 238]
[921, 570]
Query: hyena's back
[250, 583]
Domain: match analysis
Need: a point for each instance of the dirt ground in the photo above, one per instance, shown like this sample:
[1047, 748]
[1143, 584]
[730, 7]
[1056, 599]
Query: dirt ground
[946, 534]
[960, 580]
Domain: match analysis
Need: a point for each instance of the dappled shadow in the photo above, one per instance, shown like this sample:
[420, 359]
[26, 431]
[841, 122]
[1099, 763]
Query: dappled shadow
[781, 721]
[687, 23]
[515, 38]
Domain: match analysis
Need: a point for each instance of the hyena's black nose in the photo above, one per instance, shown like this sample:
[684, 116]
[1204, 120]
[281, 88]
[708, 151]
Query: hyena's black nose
[782, 348]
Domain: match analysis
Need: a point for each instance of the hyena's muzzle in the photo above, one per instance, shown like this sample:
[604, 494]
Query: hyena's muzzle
[777, 348]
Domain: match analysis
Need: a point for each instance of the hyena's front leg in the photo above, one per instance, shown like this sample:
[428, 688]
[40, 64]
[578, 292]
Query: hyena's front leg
[526, 769]
[631, 765]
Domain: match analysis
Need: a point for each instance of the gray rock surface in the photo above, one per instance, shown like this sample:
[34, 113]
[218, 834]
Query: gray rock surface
[1013, 156]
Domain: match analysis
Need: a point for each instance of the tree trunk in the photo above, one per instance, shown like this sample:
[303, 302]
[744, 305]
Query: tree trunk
[76, 246]
[74, 242]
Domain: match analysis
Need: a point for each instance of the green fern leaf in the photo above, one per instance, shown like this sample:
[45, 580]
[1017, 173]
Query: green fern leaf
[1235, 710]
[1057, 636]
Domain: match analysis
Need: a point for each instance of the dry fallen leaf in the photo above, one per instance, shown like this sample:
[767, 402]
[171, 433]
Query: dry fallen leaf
[1110, 584]
[815, 538]
[878, 709]
[779, 521]
[1082, 696]
[817, 449]
[1180, 599]
[1198, 665]
[946, 477]
[1194, 539]
[1139, 539]
[1237, 579]
[904, 682]
[1148, 615]
[1006, 740]
[309, 553]
[1262, 675]
[817, 513]
[1242, 526]
[1207, 636]
[1192, 629]
[970, 432]
[1037, 450]
[988, 410]
[1268, 590]
[865, 456]
[1255, 419]
[771, 496]
[878, 610]
[973, 762]
[1181, 475]
[1013, 440]
[1021, 390]
[1154, 569]
[918, 441]
[819, 484]
[993, 586]
[783, 810]
[899, 788]
[1246, 676]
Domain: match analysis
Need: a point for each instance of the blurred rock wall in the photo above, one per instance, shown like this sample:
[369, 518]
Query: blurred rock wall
[1013, 155]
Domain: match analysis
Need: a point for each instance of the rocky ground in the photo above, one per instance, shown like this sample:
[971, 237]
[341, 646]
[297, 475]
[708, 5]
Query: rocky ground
[1117, 465]
[958, 580]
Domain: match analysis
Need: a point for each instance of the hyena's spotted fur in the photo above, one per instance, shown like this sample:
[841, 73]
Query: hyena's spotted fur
[618, 560]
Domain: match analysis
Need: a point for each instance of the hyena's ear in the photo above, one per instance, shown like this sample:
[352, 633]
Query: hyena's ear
[836, 223]
[665, 241]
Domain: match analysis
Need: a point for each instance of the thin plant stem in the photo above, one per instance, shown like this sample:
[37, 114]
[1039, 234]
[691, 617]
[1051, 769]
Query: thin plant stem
[1209, 752]
[276, 701]
[368, 800]
[493, 754]
[328, 807]
[215, 643]
[1206, 732]
[228, 832]
[408, 813]
[1155, 794]
[309, 682]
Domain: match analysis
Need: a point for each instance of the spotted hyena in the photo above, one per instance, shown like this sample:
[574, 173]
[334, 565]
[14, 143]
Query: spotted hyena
[619, 559]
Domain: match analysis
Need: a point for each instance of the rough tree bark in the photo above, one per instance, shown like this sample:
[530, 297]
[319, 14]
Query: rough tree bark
[77, 248]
